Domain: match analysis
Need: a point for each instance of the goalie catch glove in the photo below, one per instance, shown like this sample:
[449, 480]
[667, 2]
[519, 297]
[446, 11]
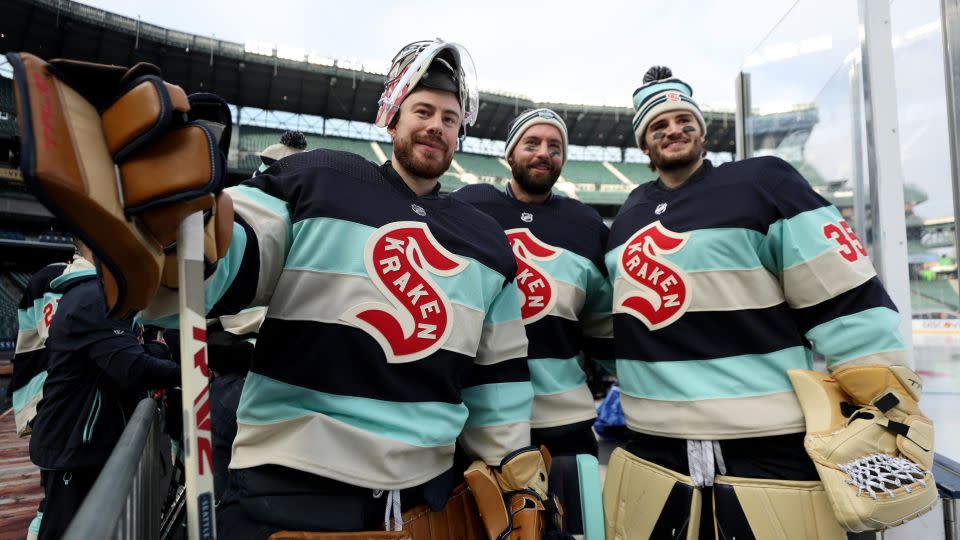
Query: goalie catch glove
[871, 444]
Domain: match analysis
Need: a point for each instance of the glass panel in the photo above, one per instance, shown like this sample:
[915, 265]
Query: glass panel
[807, 108]
[924, 152]
[805, 99]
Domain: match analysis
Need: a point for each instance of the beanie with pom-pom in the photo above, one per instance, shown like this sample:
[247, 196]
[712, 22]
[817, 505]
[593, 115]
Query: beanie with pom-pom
[662, 92]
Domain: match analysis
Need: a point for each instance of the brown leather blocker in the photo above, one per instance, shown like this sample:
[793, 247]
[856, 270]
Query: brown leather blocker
[67, 162]
[177, 162]
[140, 110]
[511, 497]
[459, 520]
[217, 233]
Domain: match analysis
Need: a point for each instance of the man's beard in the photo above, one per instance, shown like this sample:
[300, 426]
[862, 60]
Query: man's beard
[676, 162]
[419, 166]
[534, 186]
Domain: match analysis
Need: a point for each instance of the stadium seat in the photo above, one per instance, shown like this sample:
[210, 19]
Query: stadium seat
[638, 173]
[480, 165]
[588, 172]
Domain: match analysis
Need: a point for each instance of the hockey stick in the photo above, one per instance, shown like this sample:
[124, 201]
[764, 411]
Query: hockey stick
[195, 382]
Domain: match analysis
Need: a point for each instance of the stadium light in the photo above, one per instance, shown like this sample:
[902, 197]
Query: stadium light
[314, 58]
[350, 64]
[291, 53]
[258, 47]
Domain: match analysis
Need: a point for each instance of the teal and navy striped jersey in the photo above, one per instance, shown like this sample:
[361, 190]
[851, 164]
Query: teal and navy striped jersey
[34, 315]
[722, 285]
[393, 325]
[565, 295]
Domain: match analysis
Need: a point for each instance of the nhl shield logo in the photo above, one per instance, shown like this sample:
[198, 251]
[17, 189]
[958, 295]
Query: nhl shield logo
[537, 286]
[654, 290]
[526, 217]
[418, 210]
[399, 259]
[661, 208]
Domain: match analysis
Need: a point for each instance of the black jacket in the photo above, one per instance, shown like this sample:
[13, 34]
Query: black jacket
[97, 373]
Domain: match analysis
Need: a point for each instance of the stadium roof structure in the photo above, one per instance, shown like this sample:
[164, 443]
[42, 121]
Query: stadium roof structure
[67, 29]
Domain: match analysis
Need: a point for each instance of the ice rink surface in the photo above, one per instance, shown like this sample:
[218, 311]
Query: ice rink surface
[936, 357]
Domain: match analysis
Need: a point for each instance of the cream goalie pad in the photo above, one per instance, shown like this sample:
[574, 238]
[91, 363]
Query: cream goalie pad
[763, 508]
[644, 500]
[871, 444]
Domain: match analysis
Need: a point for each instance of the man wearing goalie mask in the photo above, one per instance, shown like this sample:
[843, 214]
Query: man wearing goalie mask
[724, 279]
[393, 334]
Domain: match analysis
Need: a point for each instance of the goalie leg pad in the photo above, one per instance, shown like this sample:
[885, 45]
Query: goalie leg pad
[644, 500]
[763, 508]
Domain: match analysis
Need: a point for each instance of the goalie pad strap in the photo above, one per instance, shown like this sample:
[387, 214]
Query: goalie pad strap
[887, 402]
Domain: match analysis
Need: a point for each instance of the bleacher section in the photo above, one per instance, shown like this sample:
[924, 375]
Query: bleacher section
[589, 172]
[482, 166]
[938, 293]
[638, 173]
[8, 318]
[594, 182]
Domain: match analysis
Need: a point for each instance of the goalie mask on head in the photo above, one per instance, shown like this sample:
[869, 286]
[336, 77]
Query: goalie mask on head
[432, 64]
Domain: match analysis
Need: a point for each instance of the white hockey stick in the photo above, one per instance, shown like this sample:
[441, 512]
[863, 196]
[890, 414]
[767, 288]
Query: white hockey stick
[195, 382]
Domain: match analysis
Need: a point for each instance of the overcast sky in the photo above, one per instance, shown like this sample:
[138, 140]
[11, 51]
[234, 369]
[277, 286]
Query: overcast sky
[596, 52]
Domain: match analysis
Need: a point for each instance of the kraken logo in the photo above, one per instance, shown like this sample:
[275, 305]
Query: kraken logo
[657, 292]
[399, 258]
[538, 288]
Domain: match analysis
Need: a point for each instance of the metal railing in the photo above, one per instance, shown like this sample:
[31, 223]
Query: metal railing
[947, 473]
[125, 502]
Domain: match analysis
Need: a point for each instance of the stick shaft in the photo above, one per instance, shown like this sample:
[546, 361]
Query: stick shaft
[195, 381]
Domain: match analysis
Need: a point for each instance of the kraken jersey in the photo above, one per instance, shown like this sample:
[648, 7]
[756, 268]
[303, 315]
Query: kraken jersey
[566, 297]
[34, 315]
[722, 285]
[393, 325]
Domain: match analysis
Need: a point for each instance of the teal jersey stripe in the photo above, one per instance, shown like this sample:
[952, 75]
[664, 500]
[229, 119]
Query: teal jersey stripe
[730, 377]
[329, 245]
[271, 203]
[555, 375]
[569, 268]
[227, 269]
[793, 241]
[27, 319]
[599, 294]
[610, 260]
[707, 249]
[498, 403]
[719, 249]
[63, 278]
[266, 401]
[28, 391]
[505, 307]
[860, 334]
[336, 246]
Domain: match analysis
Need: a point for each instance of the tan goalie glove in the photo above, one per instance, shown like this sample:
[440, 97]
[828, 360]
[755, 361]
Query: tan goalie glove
[121, 157]
[513, 498]
[871, 444]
